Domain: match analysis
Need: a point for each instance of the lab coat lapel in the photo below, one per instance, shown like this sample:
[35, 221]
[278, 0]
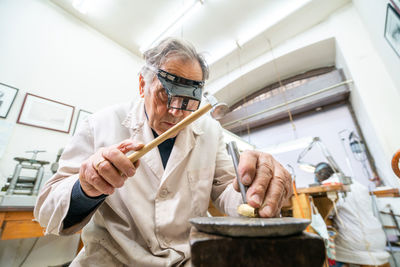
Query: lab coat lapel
[184, 143]
[141, 132]
[152, 158]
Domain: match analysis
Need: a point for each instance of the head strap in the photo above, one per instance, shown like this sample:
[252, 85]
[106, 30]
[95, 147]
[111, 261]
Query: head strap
[179, 80]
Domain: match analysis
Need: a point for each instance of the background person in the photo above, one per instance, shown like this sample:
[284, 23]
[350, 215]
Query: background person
[360, 238]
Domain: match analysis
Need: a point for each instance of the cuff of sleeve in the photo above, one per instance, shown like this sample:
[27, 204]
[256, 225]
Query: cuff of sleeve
[81, 206]
[77, 187]
[79, 196]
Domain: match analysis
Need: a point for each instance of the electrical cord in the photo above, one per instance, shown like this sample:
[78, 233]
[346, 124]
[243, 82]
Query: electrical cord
[283, 89]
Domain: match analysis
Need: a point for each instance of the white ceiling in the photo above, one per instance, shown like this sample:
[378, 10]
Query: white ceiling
[215, 27]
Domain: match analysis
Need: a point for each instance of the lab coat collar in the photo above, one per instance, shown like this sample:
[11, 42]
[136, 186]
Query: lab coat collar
[136, 121]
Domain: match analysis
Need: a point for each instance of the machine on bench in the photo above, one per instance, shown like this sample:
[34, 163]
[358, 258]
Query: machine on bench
[23, 185]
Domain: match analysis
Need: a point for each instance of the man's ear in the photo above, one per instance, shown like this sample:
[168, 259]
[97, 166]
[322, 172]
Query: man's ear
[141, 85]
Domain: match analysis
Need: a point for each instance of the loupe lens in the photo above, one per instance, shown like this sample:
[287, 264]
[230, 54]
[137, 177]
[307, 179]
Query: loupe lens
[183, 103]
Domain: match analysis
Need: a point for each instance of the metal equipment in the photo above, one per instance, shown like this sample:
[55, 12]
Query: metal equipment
[311, 167]
[394, 219]
[18, 184]
[358, 148]
[342, 141]
[250, 227]
[378, 213]
[234, 152]
[54, 165]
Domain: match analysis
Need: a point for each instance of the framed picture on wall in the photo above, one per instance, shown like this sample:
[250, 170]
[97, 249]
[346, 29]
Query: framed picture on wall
[7, 97]
[392, 29]
[45, 113]
[81, 117]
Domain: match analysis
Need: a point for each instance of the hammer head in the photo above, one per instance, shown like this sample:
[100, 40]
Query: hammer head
[218, 110]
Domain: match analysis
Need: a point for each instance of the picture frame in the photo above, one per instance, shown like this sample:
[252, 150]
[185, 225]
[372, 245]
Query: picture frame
[45, 113]
[396, 5]
[7, 97]
[82, 115]
[392, 29]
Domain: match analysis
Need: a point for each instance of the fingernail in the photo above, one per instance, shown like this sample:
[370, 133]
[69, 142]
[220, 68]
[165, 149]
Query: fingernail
[246, 179]
[256, 199]
[131, 172]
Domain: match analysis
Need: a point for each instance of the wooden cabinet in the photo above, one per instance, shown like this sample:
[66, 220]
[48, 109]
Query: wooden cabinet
[319, 195]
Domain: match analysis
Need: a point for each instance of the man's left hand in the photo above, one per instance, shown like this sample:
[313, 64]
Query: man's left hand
[269, 183]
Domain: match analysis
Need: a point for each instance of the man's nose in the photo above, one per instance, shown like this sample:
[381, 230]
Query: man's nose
[175, 112]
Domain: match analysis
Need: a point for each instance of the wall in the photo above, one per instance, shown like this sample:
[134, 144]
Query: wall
[373, 15]
[374, 95]
[325, 124]
[45, 51]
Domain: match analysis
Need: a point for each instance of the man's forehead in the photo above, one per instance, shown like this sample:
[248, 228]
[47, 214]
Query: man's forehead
[185, 68]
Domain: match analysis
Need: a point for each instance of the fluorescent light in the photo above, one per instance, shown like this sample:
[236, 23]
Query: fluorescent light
[177, 22]
[307, 167]
[288, 146]
[241, 144]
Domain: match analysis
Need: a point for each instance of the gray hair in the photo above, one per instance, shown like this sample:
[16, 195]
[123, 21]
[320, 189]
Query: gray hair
[156, 56]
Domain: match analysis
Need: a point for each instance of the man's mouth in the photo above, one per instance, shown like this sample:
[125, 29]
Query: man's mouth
[169, 124]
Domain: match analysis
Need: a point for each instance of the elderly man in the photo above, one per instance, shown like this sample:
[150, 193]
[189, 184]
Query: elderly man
[138, 215]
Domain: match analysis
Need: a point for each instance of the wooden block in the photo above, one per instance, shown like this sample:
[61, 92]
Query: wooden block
[21, 229]
[304, 205]
[304, 250]
[389, 226]
[392, 192]
[214, 211]
[318, 190]
[324, 206]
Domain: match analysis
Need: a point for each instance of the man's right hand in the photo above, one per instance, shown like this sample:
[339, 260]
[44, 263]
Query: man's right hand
[108, 169]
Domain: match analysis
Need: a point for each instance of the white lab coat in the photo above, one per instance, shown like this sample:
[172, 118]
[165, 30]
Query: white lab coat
[144, 223]
[360, 238]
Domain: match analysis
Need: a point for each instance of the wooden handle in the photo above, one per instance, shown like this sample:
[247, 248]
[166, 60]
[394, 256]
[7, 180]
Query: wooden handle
[395, 163]
[168, 134]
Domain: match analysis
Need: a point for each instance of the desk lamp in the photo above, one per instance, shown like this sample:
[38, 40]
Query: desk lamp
[309, 167]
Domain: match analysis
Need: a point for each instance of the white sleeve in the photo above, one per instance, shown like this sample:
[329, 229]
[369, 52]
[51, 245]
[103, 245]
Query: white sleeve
[223, 195]
[53, 201]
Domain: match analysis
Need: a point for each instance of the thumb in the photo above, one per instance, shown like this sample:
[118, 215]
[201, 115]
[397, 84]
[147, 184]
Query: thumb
[235, 185]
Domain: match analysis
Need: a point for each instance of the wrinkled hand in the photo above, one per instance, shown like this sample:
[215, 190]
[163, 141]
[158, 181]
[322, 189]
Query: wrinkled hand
[269, 182]
[108, 169]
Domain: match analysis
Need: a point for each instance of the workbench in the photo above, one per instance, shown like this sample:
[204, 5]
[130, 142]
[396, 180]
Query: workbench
[18, 222]
[319, 195]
